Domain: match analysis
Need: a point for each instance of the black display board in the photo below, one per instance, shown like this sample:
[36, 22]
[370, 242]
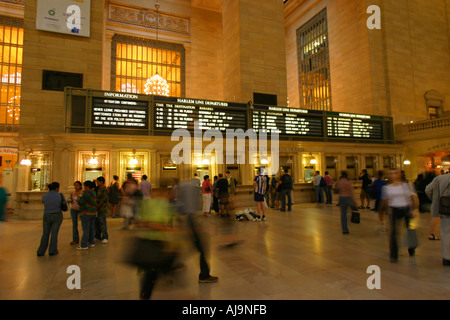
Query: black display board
[179, 113]
[288, 121]
[119, 113]
[354, 126]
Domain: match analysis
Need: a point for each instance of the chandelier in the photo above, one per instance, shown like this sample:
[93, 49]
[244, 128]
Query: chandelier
[157, 85]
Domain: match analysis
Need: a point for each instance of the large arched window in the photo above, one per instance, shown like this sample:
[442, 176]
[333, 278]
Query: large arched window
[314, 64]
[135, 60]
[11, 53]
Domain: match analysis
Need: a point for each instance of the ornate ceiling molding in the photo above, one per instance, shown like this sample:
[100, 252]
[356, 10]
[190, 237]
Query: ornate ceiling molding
[147, 18]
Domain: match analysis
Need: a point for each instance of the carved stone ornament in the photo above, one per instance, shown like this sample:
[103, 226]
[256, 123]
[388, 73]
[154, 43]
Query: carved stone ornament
[147, 18]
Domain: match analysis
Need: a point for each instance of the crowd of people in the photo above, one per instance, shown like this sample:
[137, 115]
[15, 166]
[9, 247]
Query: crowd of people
[393, 198]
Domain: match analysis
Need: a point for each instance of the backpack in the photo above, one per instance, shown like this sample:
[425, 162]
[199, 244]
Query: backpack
[287, 182]
[323, 183]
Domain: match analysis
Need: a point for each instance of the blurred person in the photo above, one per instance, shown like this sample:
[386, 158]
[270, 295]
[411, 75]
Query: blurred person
[439, 187]
[427, 206]
[154, 230]
[206, 195]
[377, 187]
[278, 194]
[223, 195]
[399, 198]
[197, 180]
[214, 195]
[188, 206]
[130, 200]
[75, 210]
[267, 194]
[3, 205]
[318, 187]
[54, 203]
[114, 196]
[273, 190]
[102, 200]
[366, 182]
[260, 185]
[286, 185]
[345, 190]
[145, 187]
[328, 188]
[231, 184]
[88, 214]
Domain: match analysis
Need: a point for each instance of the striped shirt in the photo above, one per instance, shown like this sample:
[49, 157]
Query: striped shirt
[88, 203]
[261, 184]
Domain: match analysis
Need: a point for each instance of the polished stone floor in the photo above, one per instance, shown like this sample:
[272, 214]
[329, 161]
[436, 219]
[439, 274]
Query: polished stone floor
[298, 255]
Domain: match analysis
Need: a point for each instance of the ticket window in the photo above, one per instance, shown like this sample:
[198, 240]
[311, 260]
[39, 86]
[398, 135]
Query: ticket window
[352, 168]
[286, 163]
[93, 166]
[310, 165]
[169, 171]
[39, 172]
[202, 171]
[331, 167]
[134, 163]
[371, 166]
[388, 163]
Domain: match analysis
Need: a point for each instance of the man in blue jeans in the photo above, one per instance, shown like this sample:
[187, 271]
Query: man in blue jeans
[318, 188]
[286, 184]
[52, 220]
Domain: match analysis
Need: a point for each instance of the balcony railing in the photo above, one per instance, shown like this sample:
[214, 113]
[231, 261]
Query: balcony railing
[429, 124]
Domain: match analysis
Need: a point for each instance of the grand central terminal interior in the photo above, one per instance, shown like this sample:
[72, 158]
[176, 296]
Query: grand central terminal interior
[101, 88]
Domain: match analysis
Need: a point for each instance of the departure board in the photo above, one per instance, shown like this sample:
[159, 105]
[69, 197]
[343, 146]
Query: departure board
[354, 126]
[288, 121]
[119, 113]
[179, 113]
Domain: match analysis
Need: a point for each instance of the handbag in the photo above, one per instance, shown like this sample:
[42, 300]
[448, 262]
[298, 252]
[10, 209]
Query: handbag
[355, 217]
[148, 254]
[64, 206]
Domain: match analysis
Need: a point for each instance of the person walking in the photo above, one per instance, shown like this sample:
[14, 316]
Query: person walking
[318, 187]
[88, 213]
[364, 195]
[54, 203]
[439, 187]
[345, 190]
[114, 196]
[377, 187]
[260, 185]
[75, 210]
[286, 185]
[206, 195]
[328, 188]
[398, 197]
[102, 199]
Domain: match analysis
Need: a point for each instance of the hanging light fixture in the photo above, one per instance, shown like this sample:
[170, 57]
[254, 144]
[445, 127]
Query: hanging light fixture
[26, 161]
[157, 85]
[93, 160]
